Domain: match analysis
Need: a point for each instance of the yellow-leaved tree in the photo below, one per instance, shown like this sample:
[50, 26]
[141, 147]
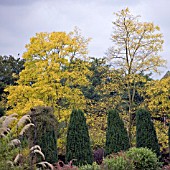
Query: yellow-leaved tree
[157, 99]
[55, 68]
[135, 51]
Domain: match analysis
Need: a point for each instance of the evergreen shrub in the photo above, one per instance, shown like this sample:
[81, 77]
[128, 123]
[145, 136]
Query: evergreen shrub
[116, 135]
[78, 142]
[143, 159]
[44, 133]
[145, 132]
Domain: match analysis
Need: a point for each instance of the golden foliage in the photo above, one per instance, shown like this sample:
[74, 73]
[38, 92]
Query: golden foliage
[157, 99]
[158, 96]
[135, 51]
[53, 72]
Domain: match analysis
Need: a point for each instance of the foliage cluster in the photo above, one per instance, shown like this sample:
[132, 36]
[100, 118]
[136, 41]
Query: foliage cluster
[133, 159]
[94, 166]
[44, 133]
[118, 163]
[145, 132]
[116, 135]
[143, 158]
[78, 141]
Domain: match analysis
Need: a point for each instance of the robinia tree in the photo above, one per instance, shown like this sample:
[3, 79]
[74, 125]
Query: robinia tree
[135, 51]
[116, 135]
[54, 68]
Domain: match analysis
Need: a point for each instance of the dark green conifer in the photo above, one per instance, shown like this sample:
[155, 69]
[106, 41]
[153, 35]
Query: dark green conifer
[116, 134]
[44, 132]
[169, 139]
[78, 142]
[145, 131]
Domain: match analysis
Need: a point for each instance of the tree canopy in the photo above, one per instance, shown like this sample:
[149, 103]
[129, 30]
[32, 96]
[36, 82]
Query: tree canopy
[10, 67]
[53, 72]
[136, 47]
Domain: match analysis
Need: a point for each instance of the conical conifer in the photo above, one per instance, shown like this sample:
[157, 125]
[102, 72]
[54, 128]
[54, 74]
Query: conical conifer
[145, 131]
[116, 134]
[78, 142]
[44, 133]
[169, 139]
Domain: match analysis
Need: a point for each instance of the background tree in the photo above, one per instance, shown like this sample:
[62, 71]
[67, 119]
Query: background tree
[98, 69]
[97, 125]
[55, 68]
[10, 67]
[78, 141]
[116, 135]
[145, 132]
[135, 50]
[157, 99]
[96, 117]
[169, 138]
[157, 96]
[44, 132]
[56, 72]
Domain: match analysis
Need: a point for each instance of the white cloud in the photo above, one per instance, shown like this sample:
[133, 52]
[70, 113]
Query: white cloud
[20, 20]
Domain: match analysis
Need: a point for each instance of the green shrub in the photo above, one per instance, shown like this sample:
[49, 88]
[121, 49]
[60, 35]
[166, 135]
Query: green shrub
[169, 137]
[143, 159]
[116, 135]
[78, 142]
[7, 155]
[145, 132]
[119, 162]
[44, 133]
[94, 166]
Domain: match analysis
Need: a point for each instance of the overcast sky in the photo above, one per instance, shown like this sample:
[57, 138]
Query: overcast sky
[21, 19]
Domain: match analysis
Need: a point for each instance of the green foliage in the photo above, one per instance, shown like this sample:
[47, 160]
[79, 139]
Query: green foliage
[169, 136]
[44, 133]
[2, 111]
[94, 166]
[143, 159]
[93, 92]
[98, 68]
[116, 134]
[145, 131]
[6, 154]
[14, 152]
[78, 142]
[118, 162]
[10, 68]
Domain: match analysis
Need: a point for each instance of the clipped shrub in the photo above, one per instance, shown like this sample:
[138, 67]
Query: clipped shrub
[145, 132]
[116, 134]
[169, 138]
[117, 162]
[44, 132]
[94, 166]
[143, 159]
[78, 142]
